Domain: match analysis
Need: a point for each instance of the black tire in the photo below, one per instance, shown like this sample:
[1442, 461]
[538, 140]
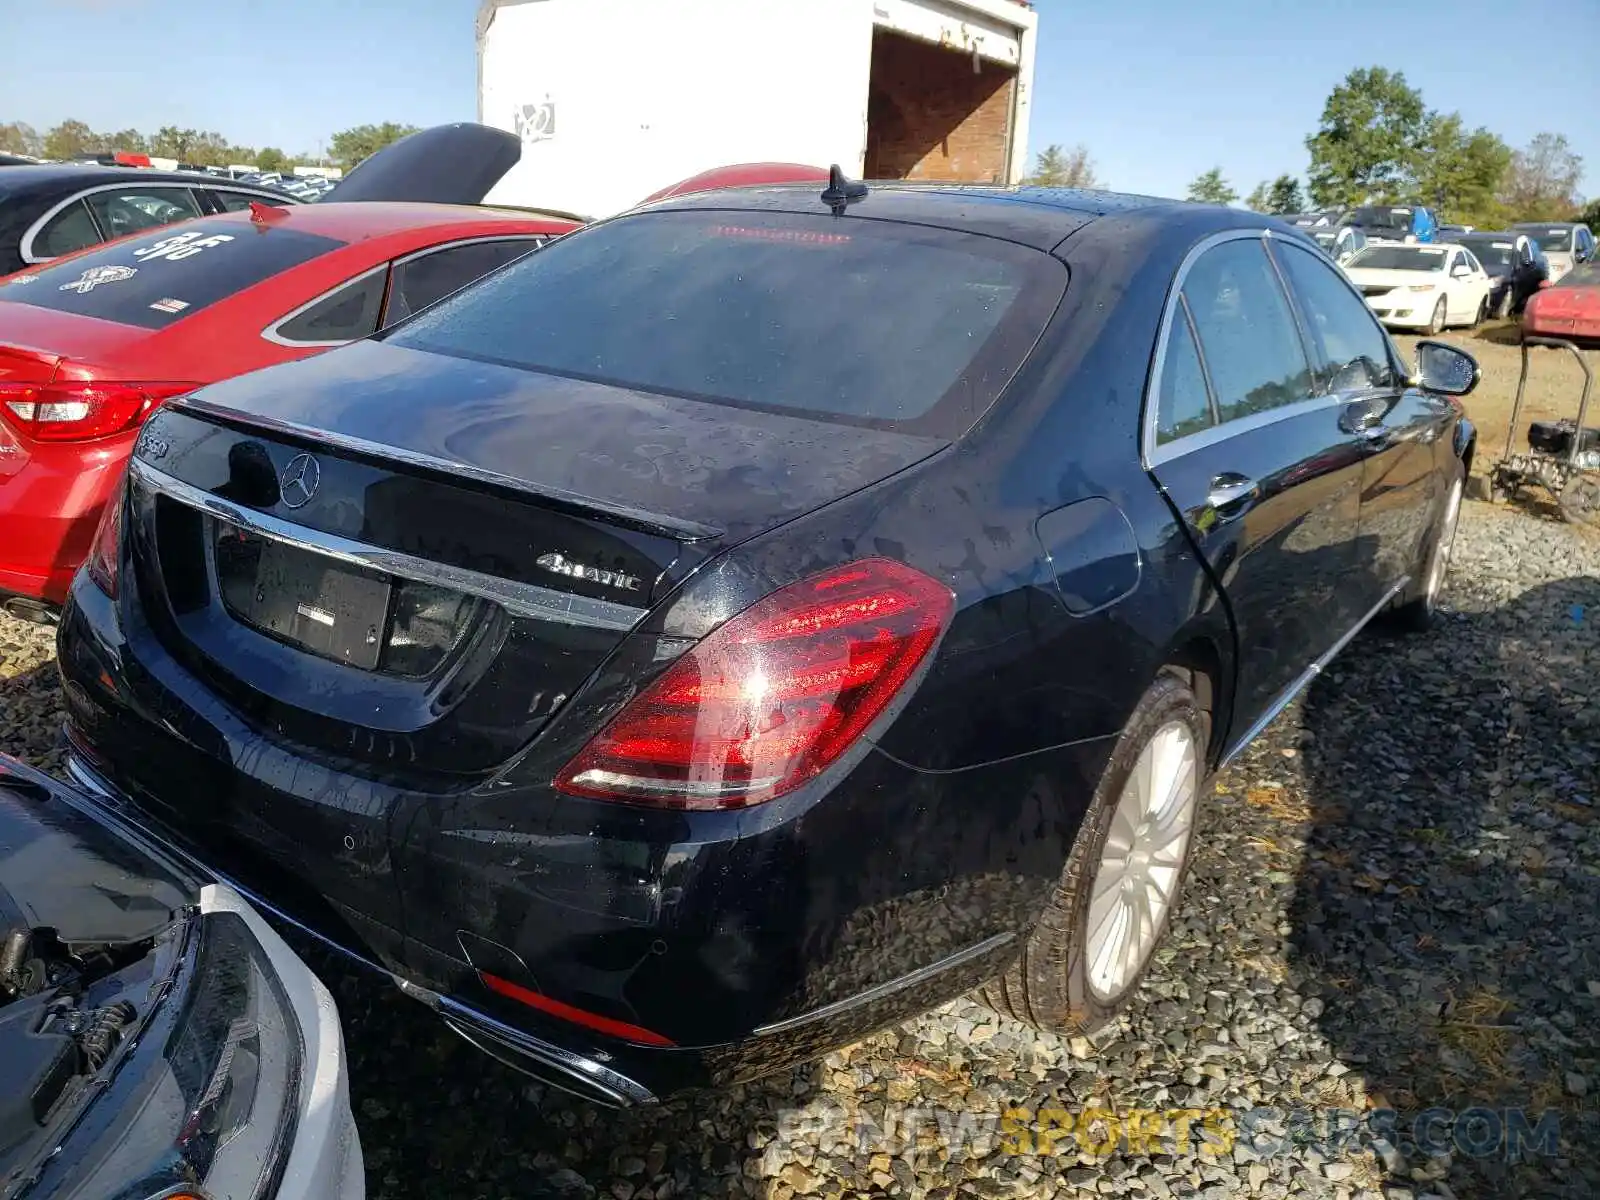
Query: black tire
[1048, 986]
[1441, 314]
[1508, 301]
[1420, 608]
[1482, 314]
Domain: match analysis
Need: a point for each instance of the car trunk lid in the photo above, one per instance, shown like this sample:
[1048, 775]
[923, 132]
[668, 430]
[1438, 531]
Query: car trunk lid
[420, 586]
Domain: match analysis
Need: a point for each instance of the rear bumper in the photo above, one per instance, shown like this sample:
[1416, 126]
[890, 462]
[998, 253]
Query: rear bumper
[753, 940]
[558, 1065]
[49, 510]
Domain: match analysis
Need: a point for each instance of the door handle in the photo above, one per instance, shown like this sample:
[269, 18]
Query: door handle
[1231, 494]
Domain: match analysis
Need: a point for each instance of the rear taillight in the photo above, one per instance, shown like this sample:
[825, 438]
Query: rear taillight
[79, 412]
[772, 697]
[106, 549]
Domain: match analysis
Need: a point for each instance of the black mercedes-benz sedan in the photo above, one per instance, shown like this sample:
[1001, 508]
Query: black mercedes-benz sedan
[753, 619]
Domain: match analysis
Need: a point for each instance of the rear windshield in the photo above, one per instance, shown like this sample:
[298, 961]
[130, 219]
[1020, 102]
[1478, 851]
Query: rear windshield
[1492, 252]
[1557, 241]
[845, 319]
[1400, 258]
[1582, 275]
[1382, 218]
[161, 277]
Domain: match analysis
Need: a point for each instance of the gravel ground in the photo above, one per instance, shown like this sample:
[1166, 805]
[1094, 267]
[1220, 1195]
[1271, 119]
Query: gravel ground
[1396, 907]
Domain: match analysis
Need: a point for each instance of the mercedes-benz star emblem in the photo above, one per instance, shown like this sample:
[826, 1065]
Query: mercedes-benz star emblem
[299, 480]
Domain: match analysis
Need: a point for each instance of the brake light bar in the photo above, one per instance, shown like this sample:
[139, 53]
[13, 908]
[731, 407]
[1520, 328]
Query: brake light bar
[76, 411]
[772, 697]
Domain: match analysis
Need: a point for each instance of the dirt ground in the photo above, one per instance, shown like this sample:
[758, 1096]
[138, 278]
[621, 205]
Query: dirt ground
[1555, 384]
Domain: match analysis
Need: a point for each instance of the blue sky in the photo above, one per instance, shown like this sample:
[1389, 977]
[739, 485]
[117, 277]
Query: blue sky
[1159, 90]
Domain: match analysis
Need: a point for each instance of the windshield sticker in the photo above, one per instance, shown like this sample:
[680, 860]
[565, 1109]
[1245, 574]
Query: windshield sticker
[1502, 245]
[170, 306]
[1557, 232]
[95, 276]
[179, 246]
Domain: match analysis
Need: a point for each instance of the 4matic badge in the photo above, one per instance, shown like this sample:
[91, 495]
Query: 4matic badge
[560, 564]
[95, 276]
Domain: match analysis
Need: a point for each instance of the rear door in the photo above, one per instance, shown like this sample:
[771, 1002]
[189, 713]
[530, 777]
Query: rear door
[1258, 465]
[1397, 426]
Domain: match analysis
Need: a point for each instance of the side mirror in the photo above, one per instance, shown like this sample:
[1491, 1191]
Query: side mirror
[1446, 369]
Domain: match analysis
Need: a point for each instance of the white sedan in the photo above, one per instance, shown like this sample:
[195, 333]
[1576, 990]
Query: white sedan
[1422, 287]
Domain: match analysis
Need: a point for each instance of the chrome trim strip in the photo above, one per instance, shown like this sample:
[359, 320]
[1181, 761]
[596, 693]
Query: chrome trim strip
[523, 599]
[601, 1078]
[641, 519]
[25, 247]
[1208, 437]
[1300, 682]
[921, 975]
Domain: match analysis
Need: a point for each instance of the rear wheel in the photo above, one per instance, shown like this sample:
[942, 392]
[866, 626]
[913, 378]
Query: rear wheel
[1502, 310]
[1422, 604]
[1482, 313]
[1440, 315]
[1123, 877]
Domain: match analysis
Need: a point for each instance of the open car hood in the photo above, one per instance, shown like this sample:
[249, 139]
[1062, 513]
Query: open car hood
[64, 871]
[447, 164]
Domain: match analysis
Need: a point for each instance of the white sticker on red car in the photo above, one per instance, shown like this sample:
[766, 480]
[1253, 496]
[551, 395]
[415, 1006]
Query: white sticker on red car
[169, 305]
[95, 276]
[21, 279]
[180, 246]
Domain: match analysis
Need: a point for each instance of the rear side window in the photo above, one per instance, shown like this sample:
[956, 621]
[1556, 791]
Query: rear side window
[420, 281]
[163, 277]
[136, 209]
[342, 316]
[1352, 351]
[239, 201]
[843, 319]
[68, 231]
[1247, 333]
[1184, 404]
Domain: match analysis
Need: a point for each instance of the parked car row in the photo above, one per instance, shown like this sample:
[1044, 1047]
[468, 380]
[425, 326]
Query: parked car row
[613, 648]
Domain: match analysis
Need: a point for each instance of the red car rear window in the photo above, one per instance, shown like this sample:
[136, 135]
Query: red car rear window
[168, 274]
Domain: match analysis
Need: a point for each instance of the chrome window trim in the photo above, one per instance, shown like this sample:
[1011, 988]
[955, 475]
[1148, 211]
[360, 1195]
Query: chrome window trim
[1153, 453]
[521, 599]
[648, 522]
[25, 248]
[271, 334]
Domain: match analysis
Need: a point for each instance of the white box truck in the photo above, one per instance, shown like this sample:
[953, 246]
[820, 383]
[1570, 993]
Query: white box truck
[614, 99]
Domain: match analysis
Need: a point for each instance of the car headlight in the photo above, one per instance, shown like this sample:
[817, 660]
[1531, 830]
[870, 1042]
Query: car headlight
[1420, 287]
[210, 1111]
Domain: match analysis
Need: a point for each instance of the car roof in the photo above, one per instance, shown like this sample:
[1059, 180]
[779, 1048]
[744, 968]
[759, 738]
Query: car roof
[89, 174]
[1041, 217]
[1547, 225]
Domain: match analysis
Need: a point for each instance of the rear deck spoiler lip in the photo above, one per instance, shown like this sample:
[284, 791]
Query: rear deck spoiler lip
[643, 520]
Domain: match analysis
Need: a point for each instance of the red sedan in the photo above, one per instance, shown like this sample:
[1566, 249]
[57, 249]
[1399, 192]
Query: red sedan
[1568, 308]
[90, 343]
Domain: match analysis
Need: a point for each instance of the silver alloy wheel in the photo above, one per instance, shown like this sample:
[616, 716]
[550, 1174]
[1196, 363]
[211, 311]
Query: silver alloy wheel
[1439, 566]
[1142, 863]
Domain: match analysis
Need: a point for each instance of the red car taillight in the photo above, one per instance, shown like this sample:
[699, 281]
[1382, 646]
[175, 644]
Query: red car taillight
[772, 697]
[79, 412]
[106, 549]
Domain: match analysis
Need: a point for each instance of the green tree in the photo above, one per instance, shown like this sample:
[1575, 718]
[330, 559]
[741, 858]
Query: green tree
[1285, 197]
[130, 140]
[1542, 181]
[270, 158]
[349, 146]
[1257, 200]
[1590, 215]
[171, 142]
[1212, 188]
[72, 138]
[1368, 143]
[1055, 167]
[1457, 172]
[19, 137]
